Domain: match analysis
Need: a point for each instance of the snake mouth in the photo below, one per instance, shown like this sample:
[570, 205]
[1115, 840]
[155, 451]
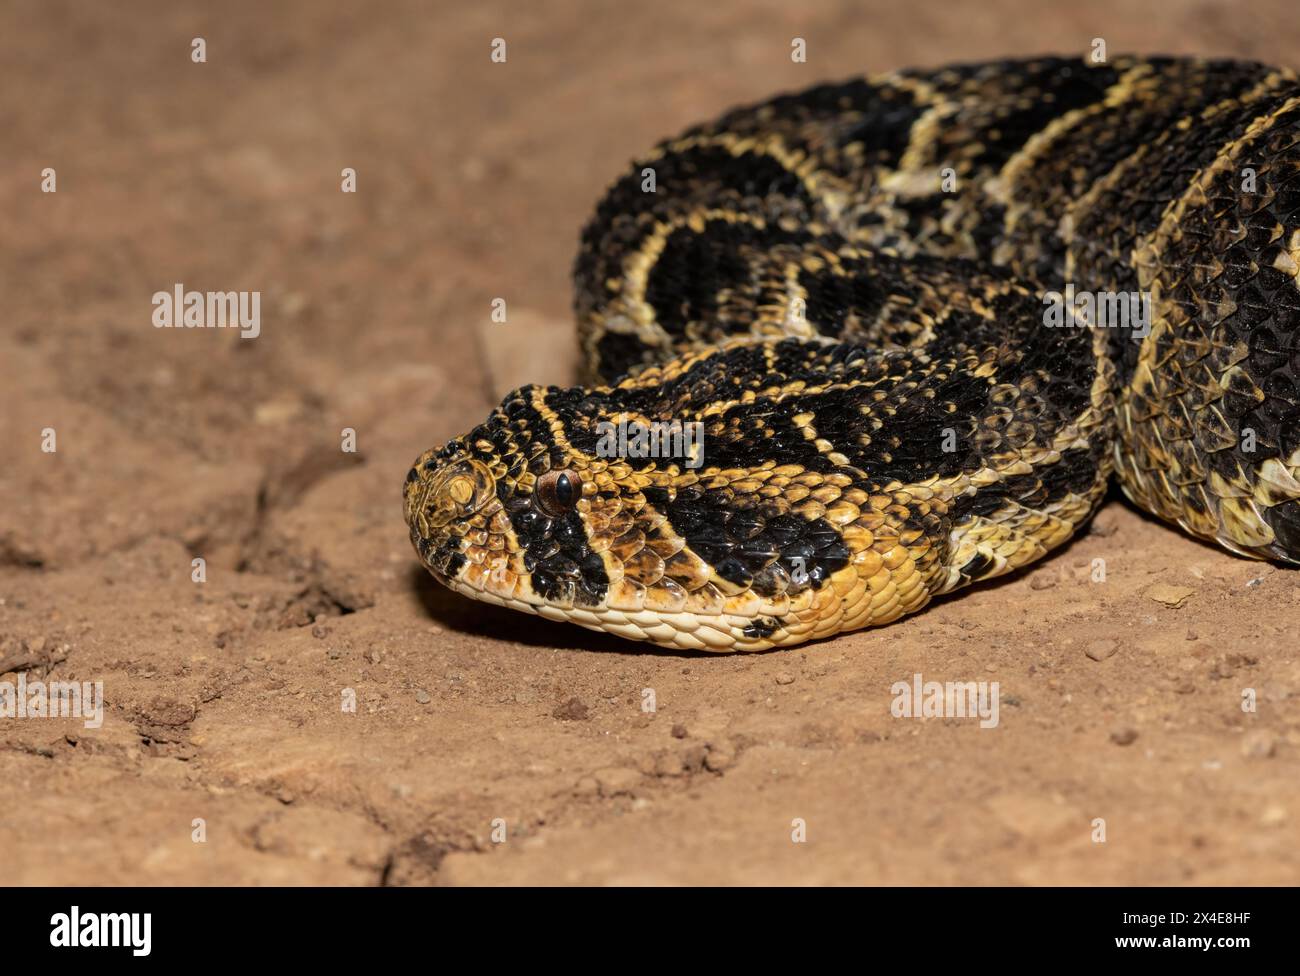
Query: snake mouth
[728, 631]
[723, 633]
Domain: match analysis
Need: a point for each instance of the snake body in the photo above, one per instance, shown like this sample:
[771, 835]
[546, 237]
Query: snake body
[847, 291]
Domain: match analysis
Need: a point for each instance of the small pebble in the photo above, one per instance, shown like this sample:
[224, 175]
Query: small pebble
[679, 731]
[784, 678]
[1125, 736]
[1099, 650]
[422, 697]
[1170, 596]
[1103, 528]
[573, 710]
[1041, 582]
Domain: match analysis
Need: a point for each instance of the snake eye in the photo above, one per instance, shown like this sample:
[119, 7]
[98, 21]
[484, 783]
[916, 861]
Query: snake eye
[558, 491]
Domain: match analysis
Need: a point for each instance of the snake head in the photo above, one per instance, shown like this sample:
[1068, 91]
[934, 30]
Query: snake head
[531, 511]
[497, 514]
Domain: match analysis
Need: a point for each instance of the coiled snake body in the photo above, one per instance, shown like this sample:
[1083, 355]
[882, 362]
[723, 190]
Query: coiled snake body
[851, 291]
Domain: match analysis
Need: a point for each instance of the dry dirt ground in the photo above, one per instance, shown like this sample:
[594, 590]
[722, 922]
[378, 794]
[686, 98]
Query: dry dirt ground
[223, 699]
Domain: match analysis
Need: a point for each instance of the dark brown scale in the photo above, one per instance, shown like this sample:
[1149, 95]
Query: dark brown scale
[1107, 234]
[695, 269]
[1066, 167]
[869, 121]
[999, 108]
[762, 627]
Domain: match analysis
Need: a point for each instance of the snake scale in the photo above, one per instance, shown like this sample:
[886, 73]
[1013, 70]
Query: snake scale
[847, 290]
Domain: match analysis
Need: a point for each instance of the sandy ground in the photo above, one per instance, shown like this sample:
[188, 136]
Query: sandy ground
[488, 747]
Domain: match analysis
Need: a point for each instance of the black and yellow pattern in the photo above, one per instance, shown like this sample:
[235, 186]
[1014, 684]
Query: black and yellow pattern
[845, 289]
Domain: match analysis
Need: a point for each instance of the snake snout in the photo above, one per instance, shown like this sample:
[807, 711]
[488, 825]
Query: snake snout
[452, 492]
[445, 501]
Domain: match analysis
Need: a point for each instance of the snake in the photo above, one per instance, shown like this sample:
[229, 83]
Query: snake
[854, 348]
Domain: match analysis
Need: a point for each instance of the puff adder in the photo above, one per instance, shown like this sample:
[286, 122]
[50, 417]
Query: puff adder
[846, 289]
